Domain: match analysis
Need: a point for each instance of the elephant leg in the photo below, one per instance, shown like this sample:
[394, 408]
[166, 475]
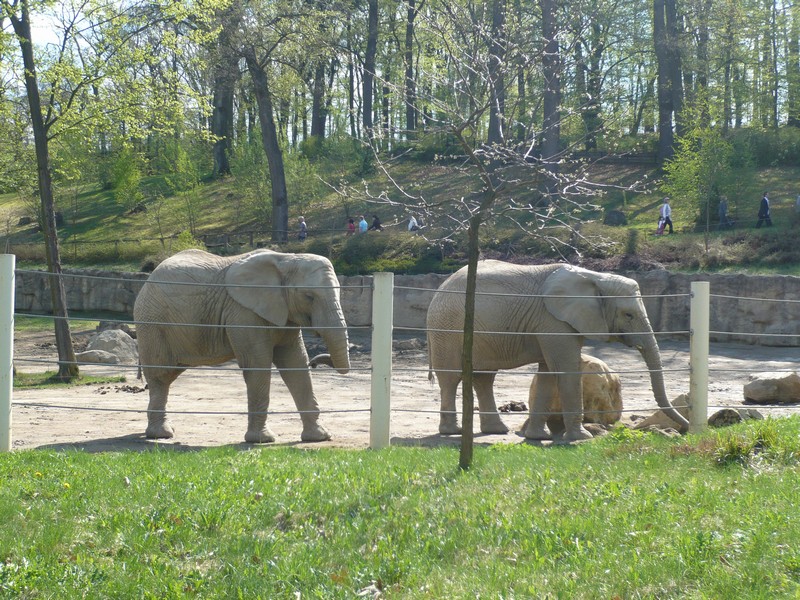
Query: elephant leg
[571, 393]
[448, 418]
[258, 383]
[490, 418]
[540, 400]
[289, 359]
[158, 382]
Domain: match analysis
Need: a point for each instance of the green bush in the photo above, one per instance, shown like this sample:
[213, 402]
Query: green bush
[126, 177]
[396, 252]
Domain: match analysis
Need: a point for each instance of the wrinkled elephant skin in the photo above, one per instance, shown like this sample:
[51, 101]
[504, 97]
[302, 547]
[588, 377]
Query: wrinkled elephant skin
[536, 314]
[200, 309]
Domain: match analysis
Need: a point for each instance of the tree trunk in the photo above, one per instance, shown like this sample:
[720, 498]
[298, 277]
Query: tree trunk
[793, 69]
[666, 134]
[497, 86]
[551, 67]
[222, 123]
[369, 66]
[319, 113]
[594, 82]
[67, 369]
[467, 396]
[272, 149]
[411, 85]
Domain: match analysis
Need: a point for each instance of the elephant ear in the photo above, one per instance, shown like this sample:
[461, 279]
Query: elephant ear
[572, 295]
[259, 269]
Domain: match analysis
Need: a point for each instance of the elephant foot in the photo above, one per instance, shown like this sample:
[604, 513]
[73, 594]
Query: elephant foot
[492, 425]
[261, 436]
[449, 426]
[575, 435]
[315, 433]
[159, 431]
[537, 432]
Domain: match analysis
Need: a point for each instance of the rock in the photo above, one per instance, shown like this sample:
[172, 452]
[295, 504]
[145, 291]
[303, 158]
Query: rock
[667, 432]
[118, 343]
[107, 325]
[769, 388]
[97, 356]
[602, 392]
[731, 416]
[513, 407]
[661, 421]
[412, 344]
[615, 218]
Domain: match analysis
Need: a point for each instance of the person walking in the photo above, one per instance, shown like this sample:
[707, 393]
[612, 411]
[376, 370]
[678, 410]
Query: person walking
[303, 232]
[412, 223]
[763, 212]
[351, 227]
[376, 224]
[362, 225]
[666, 213]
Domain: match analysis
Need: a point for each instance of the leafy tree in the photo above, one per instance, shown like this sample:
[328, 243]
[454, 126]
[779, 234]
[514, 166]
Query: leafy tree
[704, 168]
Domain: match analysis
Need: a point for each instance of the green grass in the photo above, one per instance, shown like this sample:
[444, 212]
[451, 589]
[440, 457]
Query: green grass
[30, 324]
[50, 379]
[628, 516]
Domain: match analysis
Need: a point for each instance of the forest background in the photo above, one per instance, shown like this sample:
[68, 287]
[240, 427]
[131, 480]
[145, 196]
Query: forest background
[130, 130]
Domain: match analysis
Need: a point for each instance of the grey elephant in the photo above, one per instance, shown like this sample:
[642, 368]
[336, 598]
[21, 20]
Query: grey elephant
[246, 300]
[530, 315]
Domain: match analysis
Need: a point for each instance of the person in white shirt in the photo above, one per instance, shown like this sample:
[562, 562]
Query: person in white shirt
[666, 213]
[412, 224]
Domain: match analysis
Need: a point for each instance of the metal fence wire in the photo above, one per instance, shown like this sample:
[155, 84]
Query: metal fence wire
[380, 361]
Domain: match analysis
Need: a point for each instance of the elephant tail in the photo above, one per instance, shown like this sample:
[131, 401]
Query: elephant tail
[320, 359]
[139, 372]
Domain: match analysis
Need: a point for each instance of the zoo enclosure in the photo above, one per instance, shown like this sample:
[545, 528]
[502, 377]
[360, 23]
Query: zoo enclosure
[381, 362]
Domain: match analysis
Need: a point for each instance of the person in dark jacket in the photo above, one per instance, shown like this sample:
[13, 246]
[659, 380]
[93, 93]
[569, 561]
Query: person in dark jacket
[763, 211]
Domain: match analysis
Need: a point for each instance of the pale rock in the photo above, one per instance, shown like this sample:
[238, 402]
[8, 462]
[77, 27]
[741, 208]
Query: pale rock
[769, 388]
[731, 416]
[661, 421]
[118, 343]
[97, 356]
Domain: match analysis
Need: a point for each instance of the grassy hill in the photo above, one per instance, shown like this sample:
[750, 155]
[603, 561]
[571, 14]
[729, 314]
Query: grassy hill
[231, 214]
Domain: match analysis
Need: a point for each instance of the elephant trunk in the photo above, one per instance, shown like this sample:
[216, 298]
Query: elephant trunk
[652, 357]
[333, 329]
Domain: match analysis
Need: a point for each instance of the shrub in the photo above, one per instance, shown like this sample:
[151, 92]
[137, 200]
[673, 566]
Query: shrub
[126, 178]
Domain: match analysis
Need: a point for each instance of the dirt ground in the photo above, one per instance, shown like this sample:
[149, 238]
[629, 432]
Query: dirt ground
[110, 417]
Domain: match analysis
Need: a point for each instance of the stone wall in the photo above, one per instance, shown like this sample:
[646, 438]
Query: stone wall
[731, 311]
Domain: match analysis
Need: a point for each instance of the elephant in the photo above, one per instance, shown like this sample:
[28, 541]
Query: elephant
[601, 392]
[541, 314]
[198, 309]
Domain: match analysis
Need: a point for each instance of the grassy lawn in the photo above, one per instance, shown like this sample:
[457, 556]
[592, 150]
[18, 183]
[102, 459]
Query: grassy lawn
[628, 516]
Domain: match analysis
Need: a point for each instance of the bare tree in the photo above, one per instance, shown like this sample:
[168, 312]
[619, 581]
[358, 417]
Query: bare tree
[530, 184]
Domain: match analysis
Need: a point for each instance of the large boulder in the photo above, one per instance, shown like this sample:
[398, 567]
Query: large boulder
[772, 388]
[602, 392]
[658, 420]
[97, 356]
[118, 343]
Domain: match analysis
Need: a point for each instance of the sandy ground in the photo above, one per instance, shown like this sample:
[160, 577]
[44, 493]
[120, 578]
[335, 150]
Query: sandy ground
[110, 417]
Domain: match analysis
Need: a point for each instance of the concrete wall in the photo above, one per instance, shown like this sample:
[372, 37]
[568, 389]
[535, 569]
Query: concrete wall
[92, 291]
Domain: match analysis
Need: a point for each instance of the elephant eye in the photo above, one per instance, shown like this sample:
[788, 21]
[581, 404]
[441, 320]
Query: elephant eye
[629, 316]
[309, 296]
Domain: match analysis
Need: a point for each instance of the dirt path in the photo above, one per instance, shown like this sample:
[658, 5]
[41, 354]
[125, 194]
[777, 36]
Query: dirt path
[108, 417]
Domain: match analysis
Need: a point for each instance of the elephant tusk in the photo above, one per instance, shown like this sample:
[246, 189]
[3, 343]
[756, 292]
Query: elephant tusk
[320, 359]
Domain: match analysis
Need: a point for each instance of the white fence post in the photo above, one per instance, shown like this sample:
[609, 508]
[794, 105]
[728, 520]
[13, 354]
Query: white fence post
[6, 347]
[698, 356]
[381, 390]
